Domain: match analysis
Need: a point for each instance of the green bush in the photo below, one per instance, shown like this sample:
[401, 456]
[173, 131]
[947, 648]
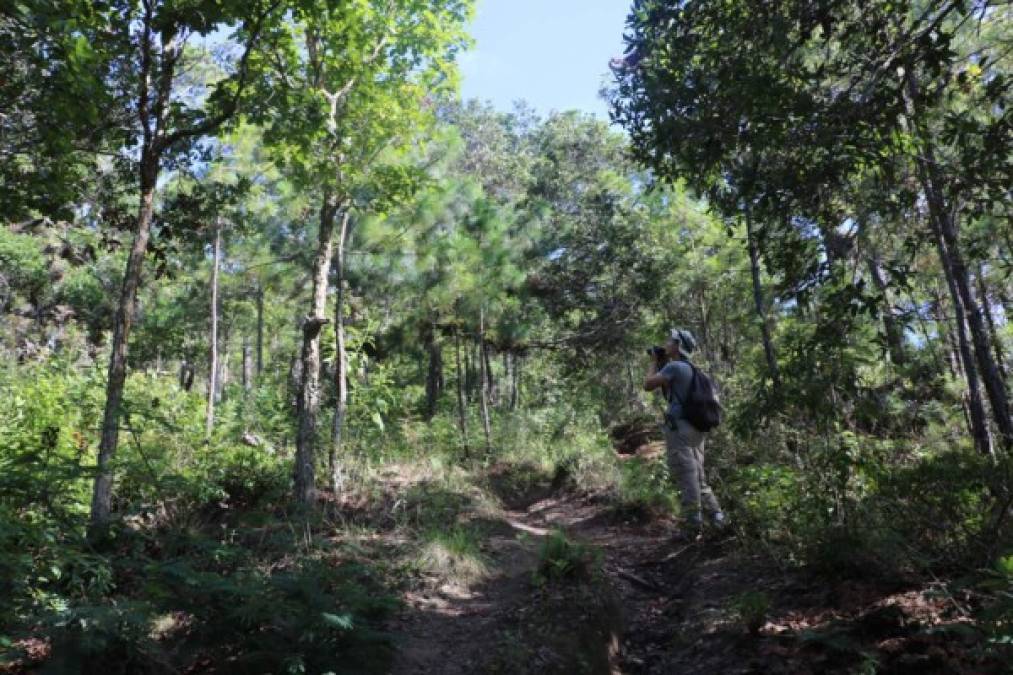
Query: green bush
[862, 506]
[23, 264]
[560, 559]
[765, 501]
[645, 490]
[84, 292]
[997, 611]
[307, 618]
[46, 417]
[312, 616]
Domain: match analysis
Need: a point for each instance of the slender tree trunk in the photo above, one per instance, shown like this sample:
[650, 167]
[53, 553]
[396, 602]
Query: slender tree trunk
[186, 375]
[247, 365]
[970, 314]
[754, 266]
[490, 380]
[151, 109]
[484, 385]
[929, 337]
[976, 409]
[951, 355]
[341, 362]
[308, 399]
[224, 373]
[469, 376]
[955, 365]
[945, 229]
[515, 389]
[993, 331]
[434, 375]
[260, 330]
[894, 334]
[462, 416]
[1005, 303]
[101, 503]
[705, 329]
[209, 418]
[507, 379]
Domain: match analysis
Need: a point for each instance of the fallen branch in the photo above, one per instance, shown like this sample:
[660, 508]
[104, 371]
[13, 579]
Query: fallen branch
[638, 581]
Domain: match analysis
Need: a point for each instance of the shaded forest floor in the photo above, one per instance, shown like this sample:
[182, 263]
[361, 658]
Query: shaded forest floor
[511, 568]
[649, 603]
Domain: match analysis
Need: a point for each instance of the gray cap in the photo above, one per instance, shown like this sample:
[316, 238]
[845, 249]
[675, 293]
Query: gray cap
[685, 339]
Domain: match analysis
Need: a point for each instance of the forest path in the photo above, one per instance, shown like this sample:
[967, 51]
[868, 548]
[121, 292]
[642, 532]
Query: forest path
[663, 606]
[659, 606]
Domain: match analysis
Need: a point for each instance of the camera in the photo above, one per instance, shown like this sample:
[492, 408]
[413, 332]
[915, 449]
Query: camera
[659, 353]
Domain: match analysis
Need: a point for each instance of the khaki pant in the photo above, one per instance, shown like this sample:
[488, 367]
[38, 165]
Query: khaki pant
[684, 453]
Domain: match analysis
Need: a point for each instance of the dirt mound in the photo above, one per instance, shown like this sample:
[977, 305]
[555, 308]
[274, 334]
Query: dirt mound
[629, 436]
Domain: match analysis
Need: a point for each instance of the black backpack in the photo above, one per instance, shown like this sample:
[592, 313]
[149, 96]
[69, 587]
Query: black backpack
[701, 408]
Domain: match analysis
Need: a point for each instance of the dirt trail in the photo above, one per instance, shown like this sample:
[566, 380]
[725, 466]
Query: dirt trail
[663, 607]
[642, 594]
[450, 629]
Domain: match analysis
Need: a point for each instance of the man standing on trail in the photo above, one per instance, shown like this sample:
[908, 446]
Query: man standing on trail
[684, 443]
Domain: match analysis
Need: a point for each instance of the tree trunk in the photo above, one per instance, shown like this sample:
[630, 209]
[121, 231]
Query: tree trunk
[260, 331]
[976, 409]
[101, 503]
[761, 314]
[490, 381]
[308, 398]
[341, 362]
[993, 330]
[469, 376]
[151, 107]
[515, 388]
[483, 366]
[247, 365]
[224, 353]
[186, 374]
[462, 417]
[705, 330]
[951, 355]
[434, 375]
[1005, 303]
[508, 378]
[209, 418]
[969, 316]
[945, 229]
[893, 332]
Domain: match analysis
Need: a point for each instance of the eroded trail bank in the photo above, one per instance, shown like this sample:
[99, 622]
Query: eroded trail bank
[570, 586]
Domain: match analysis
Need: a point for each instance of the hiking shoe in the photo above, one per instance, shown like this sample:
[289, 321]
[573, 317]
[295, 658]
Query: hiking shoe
[689, 530]
[686, 535]
[720, 522]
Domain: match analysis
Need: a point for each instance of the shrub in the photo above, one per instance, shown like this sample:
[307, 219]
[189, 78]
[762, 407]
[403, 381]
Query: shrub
[751, 608]
[645, 490]
[24, 265]
[561, 559]
[997, 613]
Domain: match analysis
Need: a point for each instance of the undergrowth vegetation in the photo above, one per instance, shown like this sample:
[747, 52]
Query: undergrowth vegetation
[212, 562]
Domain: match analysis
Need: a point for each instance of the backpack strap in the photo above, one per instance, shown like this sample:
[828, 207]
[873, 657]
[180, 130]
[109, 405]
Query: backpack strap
[689, 392]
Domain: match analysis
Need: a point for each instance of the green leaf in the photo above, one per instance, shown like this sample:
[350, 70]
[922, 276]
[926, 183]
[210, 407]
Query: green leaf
[340, 621]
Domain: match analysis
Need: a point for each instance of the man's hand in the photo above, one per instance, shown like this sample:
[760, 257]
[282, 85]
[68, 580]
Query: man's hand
[653, 380]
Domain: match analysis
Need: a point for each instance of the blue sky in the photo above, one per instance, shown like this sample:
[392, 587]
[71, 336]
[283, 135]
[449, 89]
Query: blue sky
[551, 53]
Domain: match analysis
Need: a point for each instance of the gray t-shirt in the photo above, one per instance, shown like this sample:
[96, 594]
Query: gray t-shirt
[679, 375]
